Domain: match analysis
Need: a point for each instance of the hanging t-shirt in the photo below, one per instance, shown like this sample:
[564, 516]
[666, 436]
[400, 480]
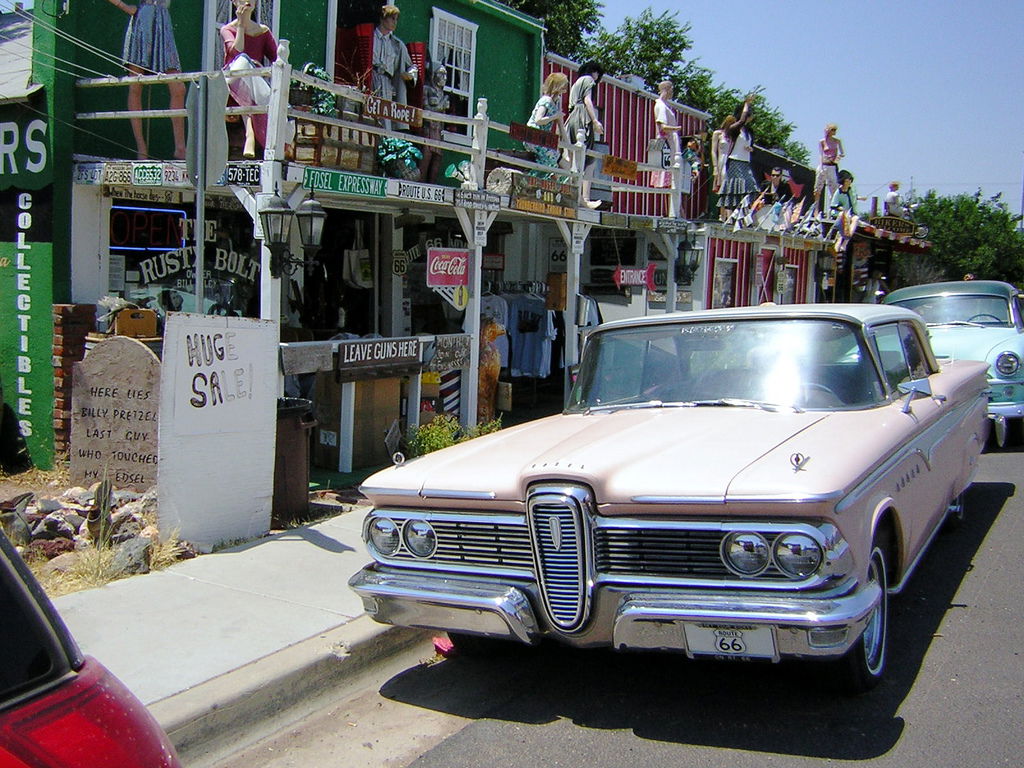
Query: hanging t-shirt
[531, 330]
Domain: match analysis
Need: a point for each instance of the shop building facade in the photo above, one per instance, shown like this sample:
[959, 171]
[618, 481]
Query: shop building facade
[405, 266]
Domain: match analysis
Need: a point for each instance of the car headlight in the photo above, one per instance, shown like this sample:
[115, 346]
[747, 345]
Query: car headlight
[383, 535]
[1007, 363]
[797, 555]
[745, 553]
[420, 538]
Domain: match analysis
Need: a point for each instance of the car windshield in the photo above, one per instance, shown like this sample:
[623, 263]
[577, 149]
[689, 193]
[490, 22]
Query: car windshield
[963, 309]
[793, 363]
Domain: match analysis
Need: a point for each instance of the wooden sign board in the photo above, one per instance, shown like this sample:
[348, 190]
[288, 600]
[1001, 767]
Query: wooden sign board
[530, 135]
[894, 224]
[619, 167]
[383, 109]
[544, 196]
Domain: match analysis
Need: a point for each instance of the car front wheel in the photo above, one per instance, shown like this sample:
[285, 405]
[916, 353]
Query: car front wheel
[862, 667]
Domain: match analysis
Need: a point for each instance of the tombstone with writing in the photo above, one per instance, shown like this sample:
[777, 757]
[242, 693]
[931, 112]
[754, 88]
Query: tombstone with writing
[115, 401]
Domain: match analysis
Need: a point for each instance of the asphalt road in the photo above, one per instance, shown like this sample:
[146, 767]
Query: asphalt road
[953, 696]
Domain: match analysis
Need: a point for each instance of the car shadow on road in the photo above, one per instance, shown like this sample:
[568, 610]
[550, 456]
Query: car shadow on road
[788, 708]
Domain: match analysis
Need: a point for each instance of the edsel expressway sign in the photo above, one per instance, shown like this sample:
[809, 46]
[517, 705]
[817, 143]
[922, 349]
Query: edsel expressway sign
[321, 179]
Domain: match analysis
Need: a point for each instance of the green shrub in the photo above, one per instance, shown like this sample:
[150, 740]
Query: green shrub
[443, 431]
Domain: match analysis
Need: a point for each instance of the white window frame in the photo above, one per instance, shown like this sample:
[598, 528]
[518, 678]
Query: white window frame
[440, 19]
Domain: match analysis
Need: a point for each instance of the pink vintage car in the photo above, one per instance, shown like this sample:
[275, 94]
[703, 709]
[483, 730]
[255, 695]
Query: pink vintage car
[748, 483]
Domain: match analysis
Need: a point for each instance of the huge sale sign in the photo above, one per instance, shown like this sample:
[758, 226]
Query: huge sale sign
[447, 266]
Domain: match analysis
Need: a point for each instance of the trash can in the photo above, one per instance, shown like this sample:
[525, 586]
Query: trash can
[291, 461]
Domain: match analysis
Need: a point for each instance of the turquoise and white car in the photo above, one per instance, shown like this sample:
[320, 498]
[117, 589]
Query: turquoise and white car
[978, 320]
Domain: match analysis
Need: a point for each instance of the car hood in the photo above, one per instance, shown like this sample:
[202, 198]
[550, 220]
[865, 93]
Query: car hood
[625, 456]
[966, 343]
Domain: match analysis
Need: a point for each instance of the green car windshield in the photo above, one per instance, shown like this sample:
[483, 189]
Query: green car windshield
[953, 309]
[801, 364]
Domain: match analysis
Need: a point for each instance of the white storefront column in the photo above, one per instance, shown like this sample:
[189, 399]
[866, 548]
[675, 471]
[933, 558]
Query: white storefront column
[475, 224]
[575, 238]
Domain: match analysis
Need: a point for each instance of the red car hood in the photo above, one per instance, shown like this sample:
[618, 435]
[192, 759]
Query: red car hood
[622, 455]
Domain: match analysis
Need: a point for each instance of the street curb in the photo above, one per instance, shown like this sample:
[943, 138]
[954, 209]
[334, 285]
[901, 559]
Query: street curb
[205, 721]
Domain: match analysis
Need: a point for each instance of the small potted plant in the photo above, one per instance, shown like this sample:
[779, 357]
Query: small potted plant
[399, 159]
[310, 98]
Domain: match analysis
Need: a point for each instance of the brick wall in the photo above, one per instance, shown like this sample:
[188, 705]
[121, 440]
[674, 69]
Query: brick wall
[71, 323]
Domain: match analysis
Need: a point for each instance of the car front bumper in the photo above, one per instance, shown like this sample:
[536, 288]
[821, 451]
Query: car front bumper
[1006, 410]
[625, 617]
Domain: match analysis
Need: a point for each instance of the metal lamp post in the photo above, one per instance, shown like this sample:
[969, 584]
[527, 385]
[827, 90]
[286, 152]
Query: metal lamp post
[687, 260]
[276, 218]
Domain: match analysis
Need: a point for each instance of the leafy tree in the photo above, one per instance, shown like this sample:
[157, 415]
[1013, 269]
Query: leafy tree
[569, 23]
[971, 233]
[654, 47]
[650, 46]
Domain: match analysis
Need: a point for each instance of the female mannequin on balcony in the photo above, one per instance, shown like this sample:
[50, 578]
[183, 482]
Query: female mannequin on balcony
[149, 48]
[249, 45]
[583, 116]
[547, 115]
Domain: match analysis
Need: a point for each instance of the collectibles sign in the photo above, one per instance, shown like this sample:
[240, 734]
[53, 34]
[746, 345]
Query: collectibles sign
[448, 274]
[344, 183]
[544, 196]
[383, 109]
[27, 279]
[635, 276]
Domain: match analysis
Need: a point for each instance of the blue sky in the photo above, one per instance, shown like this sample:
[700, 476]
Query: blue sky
[922, 90]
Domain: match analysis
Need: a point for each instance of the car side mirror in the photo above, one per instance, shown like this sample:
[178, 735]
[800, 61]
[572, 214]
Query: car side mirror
[916, 388]
[582, 311]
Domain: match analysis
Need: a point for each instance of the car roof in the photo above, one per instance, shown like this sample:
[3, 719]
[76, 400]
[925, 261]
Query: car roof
[865, 314]
[962, 287]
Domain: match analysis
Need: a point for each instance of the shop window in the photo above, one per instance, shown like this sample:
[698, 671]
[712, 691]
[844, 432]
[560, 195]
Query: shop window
[788, 293]
[453, 44]
[152, 259]
[609, 249]
[723, 287]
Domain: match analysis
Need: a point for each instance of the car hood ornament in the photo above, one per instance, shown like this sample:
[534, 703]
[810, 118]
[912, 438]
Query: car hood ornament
[798, 460]
[555, 527]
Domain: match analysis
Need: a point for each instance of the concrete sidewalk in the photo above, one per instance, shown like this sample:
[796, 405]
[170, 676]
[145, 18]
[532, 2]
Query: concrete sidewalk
[215, 644]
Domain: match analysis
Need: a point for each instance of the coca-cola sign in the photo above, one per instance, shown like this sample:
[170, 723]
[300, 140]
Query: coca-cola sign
[447, 266]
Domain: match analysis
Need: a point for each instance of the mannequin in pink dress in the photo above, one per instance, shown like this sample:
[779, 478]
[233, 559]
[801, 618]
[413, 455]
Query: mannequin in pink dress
[248, 45]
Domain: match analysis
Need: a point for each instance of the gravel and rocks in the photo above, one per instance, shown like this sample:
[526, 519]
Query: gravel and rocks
[59, 528]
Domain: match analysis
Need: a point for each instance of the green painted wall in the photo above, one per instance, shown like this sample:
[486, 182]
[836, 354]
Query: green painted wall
[27, 275]
[509, 80]
[509, 54]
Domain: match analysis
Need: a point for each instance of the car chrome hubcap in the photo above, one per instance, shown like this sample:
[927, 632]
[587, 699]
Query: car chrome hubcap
[874, 633]
[956, 507]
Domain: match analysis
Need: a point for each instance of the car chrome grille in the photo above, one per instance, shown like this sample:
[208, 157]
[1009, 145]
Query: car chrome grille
[668, 552]
[559, 529]
[477, 543]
